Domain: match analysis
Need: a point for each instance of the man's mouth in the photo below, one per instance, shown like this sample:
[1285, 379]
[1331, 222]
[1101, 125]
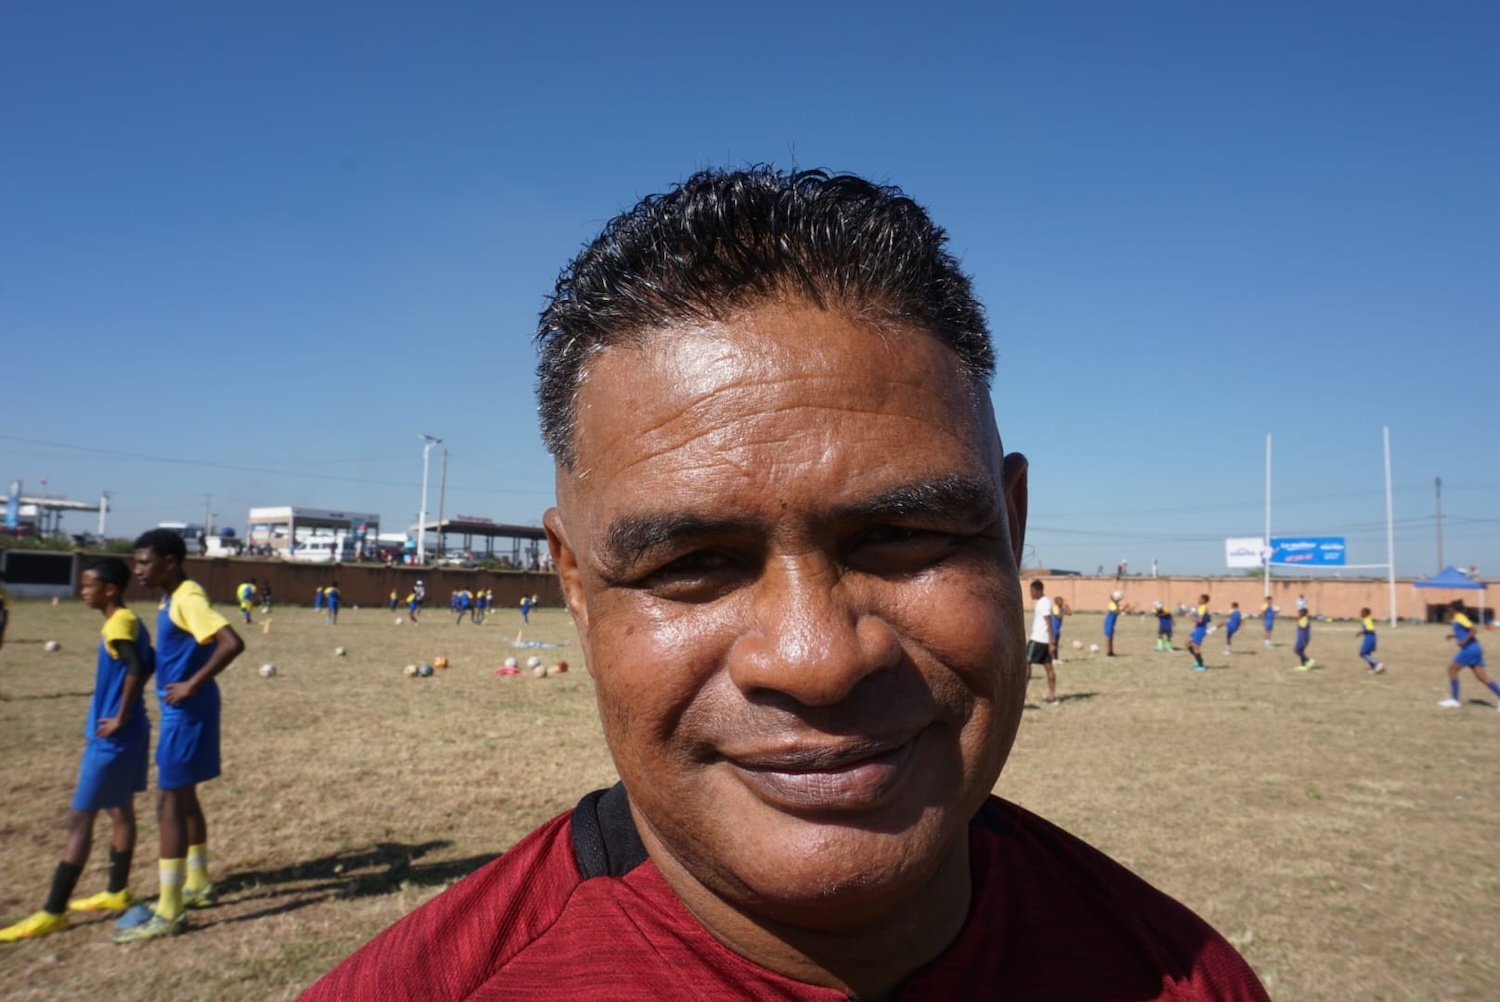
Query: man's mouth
[848, 775]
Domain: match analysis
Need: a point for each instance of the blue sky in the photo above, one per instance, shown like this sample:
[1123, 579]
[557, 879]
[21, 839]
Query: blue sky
[251, 252]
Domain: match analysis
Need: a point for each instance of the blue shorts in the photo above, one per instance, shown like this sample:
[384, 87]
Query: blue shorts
[1270, 622]
[1230, 630]
[1109, 623]
[1470, 655]
[112, 772]
[188, 751]
[1199, 632]
[1367, 645]
[1304, 637]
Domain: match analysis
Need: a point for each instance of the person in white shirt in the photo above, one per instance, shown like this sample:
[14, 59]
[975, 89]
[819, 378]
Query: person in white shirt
[1039, 648]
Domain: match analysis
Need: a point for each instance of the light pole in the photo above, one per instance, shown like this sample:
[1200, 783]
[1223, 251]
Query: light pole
[428, 441]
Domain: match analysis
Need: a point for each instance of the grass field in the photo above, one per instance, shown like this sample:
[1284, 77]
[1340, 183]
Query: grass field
[1336, 827]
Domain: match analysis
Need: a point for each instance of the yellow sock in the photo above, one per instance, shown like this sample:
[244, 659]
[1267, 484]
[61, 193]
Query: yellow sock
[169, 901]
[197, 867]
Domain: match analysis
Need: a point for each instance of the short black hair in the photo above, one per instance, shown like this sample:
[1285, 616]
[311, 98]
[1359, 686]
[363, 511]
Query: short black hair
[162, 542]
[110, 571]
[725, 241]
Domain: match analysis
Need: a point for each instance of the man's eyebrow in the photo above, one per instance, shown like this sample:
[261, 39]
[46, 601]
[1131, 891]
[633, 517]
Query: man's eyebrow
[632, 535]
[949, 495]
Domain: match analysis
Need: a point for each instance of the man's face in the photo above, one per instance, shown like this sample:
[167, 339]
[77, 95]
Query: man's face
[153, 570]
[790, 550]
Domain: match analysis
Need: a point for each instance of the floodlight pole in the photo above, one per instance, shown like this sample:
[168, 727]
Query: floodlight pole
[428, 441]
[1390, 527]
[1437, 486]
[1267, 547]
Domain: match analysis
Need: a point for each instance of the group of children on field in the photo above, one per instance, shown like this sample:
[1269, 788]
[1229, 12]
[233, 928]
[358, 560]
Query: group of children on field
[1046, 633]
[193, 645]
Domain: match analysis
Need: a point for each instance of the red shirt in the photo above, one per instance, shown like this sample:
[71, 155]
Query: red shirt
[578, 911]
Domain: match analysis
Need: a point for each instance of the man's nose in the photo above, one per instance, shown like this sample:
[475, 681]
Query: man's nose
[810, 636]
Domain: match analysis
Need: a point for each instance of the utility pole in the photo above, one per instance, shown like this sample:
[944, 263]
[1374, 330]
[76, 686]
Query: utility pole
[208, 517]
[103, 510]
[1438, 485]
[442, 495]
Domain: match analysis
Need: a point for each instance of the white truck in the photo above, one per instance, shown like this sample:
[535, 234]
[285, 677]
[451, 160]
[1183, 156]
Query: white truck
[337, 549]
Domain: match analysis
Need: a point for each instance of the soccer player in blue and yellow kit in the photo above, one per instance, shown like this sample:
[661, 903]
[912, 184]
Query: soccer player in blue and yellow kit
[1232, 626]
[1163, 626]
[1470, 655]
[1268, 618]
[1304, 639]
[245, 593]
[1367, 642]
[115, 757]
[193, 644]
[1201, 617]
[1111, 618]
[1059, 610]
[331, 601]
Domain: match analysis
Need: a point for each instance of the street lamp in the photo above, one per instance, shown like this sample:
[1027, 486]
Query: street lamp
[428, 441]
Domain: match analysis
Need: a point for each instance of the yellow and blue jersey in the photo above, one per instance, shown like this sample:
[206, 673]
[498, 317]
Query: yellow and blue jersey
[1463, 628]
[110, 670]
[185, 628]
[246, 593]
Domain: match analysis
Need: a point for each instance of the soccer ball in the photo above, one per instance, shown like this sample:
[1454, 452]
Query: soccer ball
[267, 670]
[399, 620]
[425, 671]
[1093, 648]
[1117, 595]
[533, 662]
[441, 661]
[1078, 645]
[340, 651]
[510, 662]
[51, 646]
[410, 671]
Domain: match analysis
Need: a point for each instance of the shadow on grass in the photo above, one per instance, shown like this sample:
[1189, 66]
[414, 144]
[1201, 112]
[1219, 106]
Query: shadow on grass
[383, 868]
[49, 695]
[1067, 697]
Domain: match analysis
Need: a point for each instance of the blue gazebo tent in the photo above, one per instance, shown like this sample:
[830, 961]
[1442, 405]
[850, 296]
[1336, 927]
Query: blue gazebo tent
[1452, 577]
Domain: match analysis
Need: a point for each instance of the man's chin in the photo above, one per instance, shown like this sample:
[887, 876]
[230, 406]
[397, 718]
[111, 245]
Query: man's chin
[830, 872]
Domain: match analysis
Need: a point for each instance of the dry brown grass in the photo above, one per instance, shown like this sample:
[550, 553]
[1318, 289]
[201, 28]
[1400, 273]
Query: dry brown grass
[1336, 827]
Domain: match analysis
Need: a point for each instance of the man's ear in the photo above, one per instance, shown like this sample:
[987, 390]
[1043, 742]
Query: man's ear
[1014, 476]
[568, 572]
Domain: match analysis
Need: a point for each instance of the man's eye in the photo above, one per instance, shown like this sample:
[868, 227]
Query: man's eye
[699, 576]
[697, 562]
[899, 549]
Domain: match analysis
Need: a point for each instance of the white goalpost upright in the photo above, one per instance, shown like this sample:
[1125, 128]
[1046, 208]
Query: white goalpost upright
[1390, 529]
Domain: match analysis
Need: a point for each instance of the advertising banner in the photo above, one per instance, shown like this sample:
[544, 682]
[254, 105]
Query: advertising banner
[1307, 551]
[1244, 552]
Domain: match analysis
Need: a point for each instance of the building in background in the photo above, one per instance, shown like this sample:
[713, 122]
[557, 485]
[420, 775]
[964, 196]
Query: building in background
[280, 531]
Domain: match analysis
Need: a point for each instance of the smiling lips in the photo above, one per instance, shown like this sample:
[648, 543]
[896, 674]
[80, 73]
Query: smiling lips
[851, 776]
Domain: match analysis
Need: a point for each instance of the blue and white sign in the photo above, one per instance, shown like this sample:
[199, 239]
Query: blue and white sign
[13, 506]
[1307, 551]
